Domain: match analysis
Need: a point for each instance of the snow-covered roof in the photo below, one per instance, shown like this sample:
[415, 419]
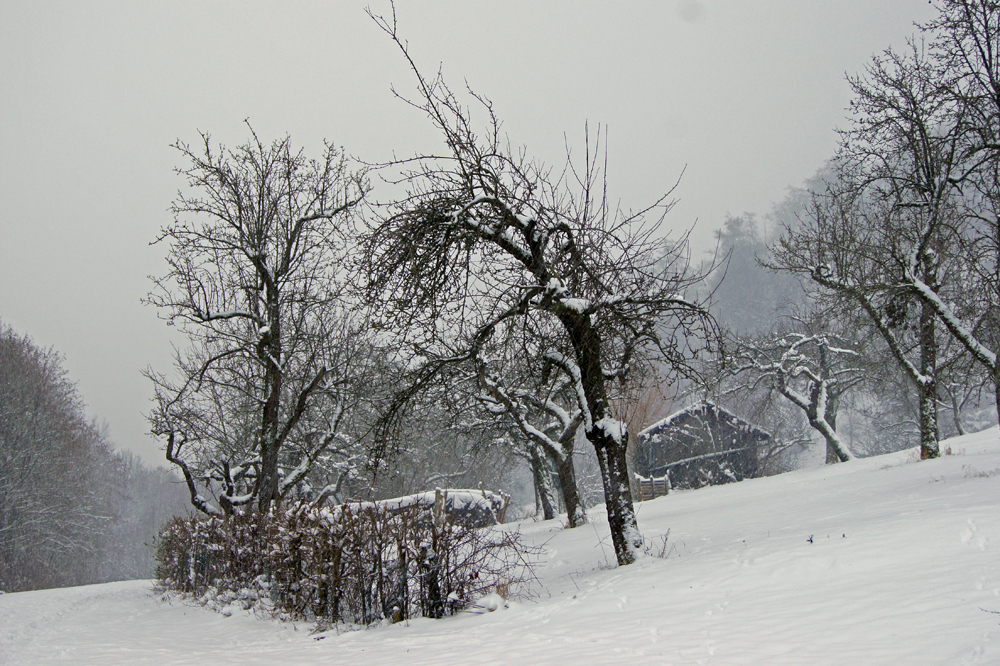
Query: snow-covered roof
[698, 409]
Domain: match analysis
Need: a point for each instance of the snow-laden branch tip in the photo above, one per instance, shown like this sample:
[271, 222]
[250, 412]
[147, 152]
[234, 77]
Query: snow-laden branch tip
[952, 322]
[206, 317]
[569, 366]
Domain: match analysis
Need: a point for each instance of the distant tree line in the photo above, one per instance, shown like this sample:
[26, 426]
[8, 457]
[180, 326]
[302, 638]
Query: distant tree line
[72, 509]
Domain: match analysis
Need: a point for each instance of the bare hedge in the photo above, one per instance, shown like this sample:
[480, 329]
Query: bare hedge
[360, 564]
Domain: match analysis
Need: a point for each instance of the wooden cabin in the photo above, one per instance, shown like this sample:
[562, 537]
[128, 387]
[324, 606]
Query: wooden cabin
[698, 446]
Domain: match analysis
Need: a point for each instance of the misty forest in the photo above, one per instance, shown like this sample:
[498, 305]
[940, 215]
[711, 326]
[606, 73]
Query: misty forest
[376, 361]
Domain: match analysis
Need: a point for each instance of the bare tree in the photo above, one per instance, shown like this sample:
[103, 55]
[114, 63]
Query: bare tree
[966, 48]
[255, 264]
[922, 158]
[546, 418]
[441, 447]
[541, 477]
[884, 235]
[845, 250]
[485, 238]
[513, 395]
[811, 370]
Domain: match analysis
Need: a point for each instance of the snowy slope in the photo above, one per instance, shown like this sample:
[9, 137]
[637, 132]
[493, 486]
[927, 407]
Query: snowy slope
[903, 560]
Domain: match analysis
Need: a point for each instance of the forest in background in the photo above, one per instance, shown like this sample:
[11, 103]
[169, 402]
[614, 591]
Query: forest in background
[73, 510]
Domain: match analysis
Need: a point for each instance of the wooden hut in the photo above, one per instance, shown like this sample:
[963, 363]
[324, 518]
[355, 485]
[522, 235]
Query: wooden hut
[698, 446]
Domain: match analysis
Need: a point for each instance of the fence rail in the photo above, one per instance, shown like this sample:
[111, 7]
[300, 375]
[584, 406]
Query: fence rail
[652, 488]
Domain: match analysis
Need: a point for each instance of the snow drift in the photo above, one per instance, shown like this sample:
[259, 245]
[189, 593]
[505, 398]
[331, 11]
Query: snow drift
[882, 560]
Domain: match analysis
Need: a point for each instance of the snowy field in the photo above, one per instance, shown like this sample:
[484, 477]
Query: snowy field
[879, 561]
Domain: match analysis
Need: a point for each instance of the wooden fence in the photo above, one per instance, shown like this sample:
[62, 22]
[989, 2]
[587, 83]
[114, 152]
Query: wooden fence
[652, 488]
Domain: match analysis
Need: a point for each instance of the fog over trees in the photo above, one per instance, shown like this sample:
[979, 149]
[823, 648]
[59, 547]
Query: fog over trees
[73, 511]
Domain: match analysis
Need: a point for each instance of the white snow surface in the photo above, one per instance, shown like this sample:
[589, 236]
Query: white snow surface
[883, 560]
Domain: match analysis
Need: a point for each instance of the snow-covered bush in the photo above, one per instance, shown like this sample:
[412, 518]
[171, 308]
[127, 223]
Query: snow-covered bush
[361, 563]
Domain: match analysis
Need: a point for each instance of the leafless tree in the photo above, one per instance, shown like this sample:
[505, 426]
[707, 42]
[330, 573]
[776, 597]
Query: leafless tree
[255, 272]
[965, 45]
[485, 238]
[887, 226]
[545, 417]
[812, 370]
[441, 447]
[541, 477]
[922, 161]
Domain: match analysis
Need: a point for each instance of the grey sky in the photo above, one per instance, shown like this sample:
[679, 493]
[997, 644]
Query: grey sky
[745, 93]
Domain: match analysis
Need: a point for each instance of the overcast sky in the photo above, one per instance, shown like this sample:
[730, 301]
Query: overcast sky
[745, 94]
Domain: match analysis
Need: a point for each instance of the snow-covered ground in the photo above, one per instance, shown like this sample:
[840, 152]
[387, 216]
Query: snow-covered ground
[879, 561]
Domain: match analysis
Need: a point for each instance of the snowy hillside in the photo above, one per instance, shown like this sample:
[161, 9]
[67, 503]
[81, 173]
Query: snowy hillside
[878, 561]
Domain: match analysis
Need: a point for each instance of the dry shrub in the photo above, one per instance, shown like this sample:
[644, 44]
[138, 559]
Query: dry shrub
[360, 564]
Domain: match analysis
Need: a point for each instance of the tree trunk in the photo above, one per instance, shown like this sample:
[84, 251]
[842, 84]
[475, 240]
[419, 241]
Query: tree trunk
[996, 388]
[835, 450]
[956, 413]
[576, 514]
[833, 444]
[822, 415]
[928, 388]
[610, 447]
[831, 452]
[625, 535]
[543, 483]
[269, 352]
